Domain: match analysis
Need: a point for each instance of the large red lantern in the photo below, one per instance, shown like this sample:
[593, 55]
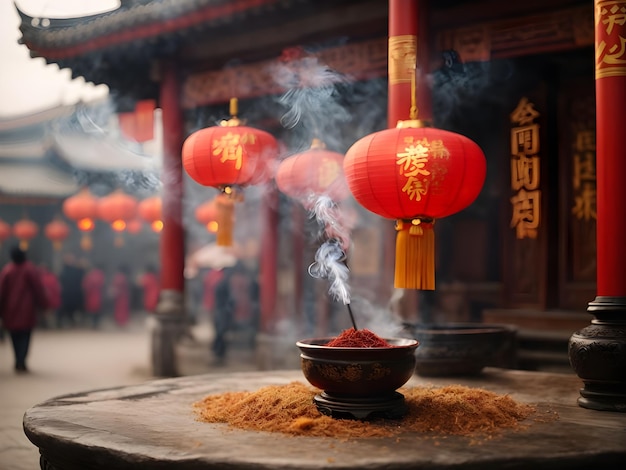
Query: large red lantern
[415, 175]
[307, 175]
[150, 210]
[25, 230]
[228, 157]
[117, 209]
[57, 231]
[83, 208]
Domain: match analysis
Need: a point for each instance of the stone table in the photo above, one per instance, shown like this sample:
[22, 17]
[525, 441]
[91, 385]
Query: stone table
[153, 426]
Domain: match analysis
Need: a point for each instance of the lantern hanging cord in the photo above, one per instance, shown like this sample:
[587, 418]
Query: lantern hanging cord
[413, 111]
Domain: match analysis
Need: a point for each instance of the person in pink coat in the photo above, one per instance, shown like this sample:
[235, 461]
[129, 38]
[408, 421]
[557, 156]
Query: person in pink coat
[151, 286]
[120, 292]
[22, 295]
[93, 288]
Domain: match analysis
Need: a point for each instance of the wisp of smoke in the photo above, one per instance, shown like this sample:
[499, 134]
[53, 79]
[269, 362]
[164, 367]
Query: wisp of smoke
[327, 213]
[330, 258]
[329, 264]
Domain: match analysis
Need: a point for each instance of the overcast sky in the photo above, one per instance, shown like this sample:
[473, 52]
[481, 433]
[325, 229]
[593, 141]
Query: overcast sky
[29, 85]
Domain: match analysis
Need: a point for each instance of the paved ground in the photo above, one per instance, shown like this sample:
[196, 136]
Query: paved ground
[81, 359]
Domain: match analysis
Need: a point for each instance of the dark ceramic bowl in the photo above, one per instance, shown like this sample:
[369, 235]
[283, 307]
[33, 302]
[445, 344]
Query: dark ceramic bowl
[461, 349]
[357, 372]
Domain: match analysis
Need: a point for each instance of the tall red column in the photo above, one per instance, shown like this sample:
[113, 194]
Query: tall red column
[170, 311]
[408, 70]
[598, 353]
[268, 260]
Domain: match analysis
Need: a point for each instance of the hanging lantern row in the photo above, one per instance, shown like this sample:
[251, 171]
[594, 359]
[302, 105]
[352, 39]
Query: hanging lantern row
[229, 157]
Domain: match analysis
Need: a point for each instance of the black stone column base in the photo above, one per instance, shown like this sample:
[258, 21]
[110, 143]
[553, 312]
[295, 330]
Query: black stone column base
[597, 353]
[170, 325]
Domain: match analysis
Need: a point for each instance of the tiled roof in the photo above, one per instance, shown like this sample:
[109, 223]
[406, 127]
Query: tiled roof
[35, 180]
[119, 47]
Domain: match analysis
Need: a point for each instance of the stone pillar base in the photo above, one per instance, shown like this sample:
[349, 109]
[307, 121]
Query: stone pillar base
[597, 354]
[169, 326]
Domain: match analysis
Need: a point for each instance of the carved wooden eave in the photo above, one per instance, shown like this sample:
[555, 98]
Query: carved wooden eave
[120, 47]
[550, 31]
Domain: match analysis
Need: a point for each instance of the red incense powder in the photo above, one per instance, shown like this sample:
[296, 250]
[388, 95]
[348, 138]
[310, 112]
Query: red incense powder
[358, 339]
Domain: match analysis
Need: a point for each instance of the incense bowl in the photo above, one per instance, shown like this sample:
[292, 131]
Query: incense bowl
[461, 349]
[357, 372]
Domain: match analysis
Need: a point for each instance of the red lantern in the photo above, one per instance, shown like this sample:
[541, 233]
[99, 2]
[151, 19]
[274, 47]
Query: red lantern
[25, 230]
[227, 157]
[5, 231]
[134, 226]
[415, 175]
[83, 208]
[117, 208]
[150, 210]
[311, 174]
[57, 231]
[206, 214]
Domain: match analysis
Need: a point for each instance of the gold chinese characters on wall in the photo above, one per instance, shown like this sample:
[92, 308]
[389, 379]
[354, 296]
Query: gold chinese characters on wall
[584, 175]
[525, 171]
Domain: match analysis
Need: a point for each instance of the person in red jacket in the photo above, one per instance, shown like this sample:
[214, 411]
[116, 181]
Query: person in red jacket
[93, 291]
[52, 286]
[150, 285]
[22, 294]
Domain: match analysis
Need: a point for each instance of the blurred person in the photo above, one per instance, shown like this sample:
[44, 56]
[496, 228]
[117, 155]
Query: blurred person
[120, 293]
[210, 280]
[72, 301]
[223, 314]
[22, 294]
[93, 290]
[52, 286]
[151, 287]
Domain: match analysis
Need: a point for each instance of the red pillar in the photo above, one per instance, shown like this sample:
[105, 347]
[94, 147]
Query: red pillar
[268, 260]
[610, 150]
[170, 318]
[408, 60]
[408, 70]
[172, 249]
[598, 352]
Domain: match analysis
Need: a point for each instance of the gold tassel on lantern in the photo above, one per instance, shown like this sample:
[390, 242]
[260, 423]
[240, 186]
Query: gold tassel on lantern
[415, 254]
[225, 205]
[85, 242]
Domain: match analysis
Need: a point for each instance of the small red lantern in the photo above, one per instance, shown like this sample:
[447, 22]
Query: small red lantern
[150, 210]
[117, 209]
[206, 214]
[83, 208]
[227, 157]
[134, 226]
[57, 231]
[5, 231]
[415, 174]
[25, 230]
[311, 174]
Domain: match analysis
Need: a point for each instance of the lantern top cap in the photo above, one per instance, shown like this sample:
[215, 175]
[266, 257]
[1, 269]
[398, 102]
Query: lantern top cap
[317, 144]
[234, 121]
[412, 124]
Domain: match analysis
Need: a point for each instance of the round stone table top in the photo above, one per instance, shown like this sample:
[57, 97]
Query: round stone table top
[153, 426]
